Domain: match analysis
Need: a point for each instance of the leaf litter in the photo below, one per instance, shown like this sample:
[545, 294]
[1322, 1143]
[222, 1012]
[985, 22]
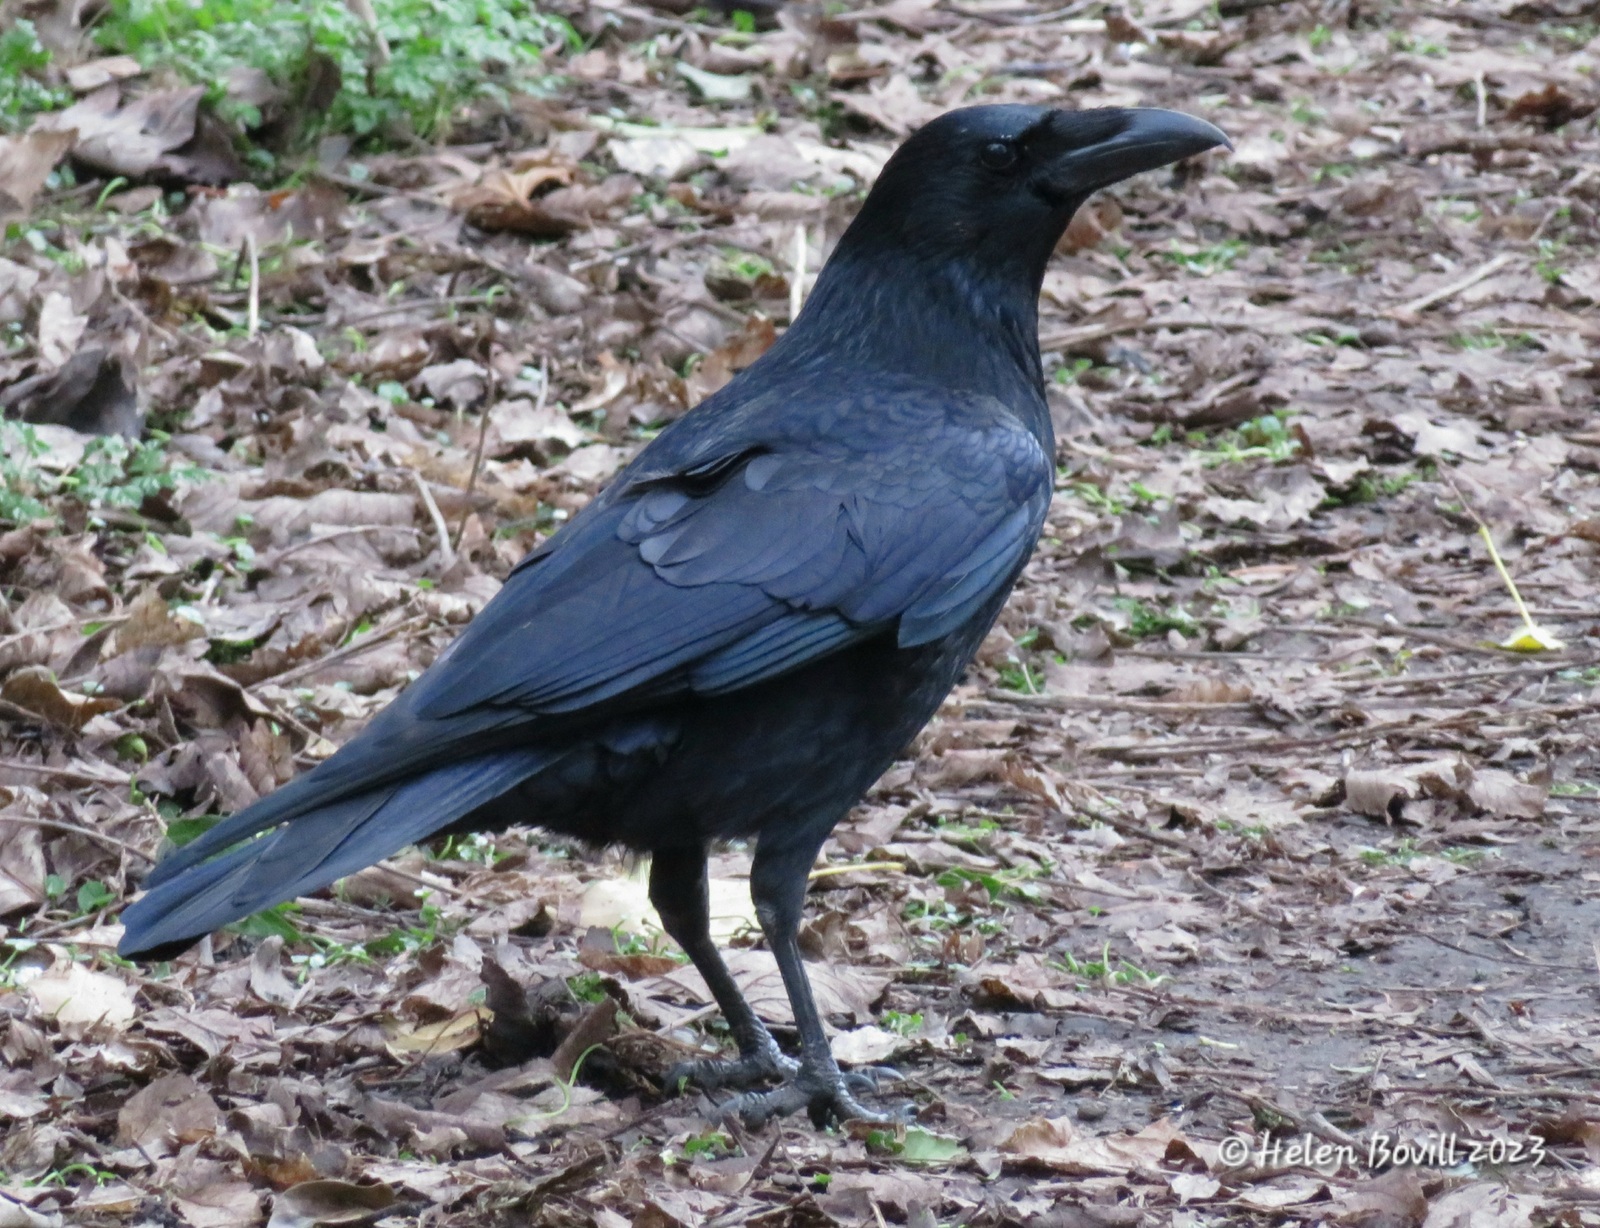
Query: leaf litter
[1268, 812]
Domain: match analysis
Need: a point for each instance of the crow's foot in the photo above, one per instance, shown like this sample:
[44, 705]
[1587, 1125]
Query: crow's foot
[765, 1063]
[827, 1096]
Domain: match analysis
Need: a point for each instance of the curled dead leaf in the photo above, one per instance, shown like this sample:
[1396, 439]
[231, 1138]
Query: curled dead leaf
[328, 1202]
[448, 1036]
[35, 689]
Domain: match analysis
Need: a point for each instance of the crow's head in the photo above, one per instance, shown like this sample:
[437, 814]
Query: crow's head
[1000, 183]
[938, 277]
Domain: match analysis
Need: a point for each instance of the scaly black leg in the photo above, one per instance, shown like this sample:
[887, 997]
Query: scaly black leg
[678, 890]
[778, 882]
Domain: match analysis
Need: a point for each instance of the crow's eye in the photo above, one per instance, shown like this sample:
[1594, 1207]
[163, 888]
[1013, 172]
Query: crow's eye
[999, 155]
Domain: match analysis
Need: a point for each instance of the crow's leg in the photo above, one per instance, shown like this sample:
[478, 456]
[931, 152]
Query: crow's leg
[778, 882]
[678, 890]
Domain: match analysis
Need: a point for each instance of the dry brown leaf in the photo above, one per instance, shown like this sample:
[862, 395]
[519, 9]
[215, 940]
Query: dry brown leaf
[447, 1036]
[1501, 793]
[22, 866]
[327, 1203]
[36, 690]
[1059, 1146]
[1377, 791]
[150, 622]
[169, 1113]
[133, 139]
[25, 163]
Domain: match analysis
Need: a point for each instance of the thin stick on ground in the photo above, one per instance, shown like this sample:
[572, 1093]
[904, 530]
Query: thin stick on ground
[253, 319]
[1434, 297]
[88, 833]
[483, 437]
[447, 552]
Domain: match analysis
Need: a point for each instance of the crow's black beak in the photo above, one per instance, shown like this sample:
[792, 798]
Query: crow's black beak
[1148, 139]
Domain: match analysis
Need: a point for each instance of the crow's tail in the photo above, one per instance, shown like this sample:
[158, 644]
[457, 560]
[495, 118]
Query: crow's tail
[313, 848]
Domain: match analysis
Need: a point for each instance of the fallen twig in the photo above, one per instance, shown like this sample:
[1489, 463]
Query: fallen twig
[88, 833]
[1435, 297]
[349, 650]
[447, 552]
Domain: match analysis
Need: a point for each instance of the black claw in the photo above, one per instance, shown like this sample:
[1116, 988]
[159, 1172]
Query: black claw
[826, 1097]
[712, 1074]
[871, 1078]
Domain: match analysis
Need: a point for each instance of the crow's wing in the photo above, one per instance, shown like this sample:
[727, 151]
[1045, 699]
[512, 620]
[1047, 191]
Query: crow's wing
[704, 573]
[788, 551]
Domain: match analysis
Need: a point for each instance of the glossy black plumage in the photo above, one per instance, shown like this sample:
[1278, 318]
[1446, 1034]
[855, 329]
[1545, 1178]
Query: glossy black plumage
[746, 627]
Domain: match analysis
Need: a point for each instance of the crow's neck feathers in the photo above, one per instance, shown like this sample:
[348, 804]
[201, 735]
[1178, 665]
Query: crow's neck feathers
[921, 291]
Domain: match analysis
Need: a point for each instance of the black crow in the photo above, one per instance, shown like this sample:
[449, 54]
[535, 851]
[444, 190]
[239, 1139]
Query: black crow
[740, 634]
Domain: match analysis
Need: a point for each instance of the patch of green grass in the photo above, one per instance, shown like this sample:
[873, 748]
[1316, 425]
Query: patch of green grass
[93, 896]
[1372, 488]
[1403, 854]
[1496, 338]
[1108, 502]
[1019, 678]
[972, 835]
[587, 987]
[475, 846]
[274, 922]
[111, 473]
[1250, 831]
[941, 915]
[747, 266]
[20, 480]
[73, 1174]
[712, 1145]
[1549, 263]
[181, 831]
[1265, 438]
[1106, 970]
[22, 93]
[1407, 43]
[1145, 620]
[1304, 111]
[1204, 261]
[443, 55]
[1000, 884]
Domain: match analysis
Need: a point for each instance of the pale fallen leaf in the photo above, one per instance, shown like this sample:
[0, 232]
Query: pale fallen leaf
[22, 867]
[1056, 1144]
[1483, 1204]
[81, 1001]
[1374, 791]
[1284, 1192]
[840, 992]
[1501, 793]
[613, 903]
[1192, 1187]
[866, 1046]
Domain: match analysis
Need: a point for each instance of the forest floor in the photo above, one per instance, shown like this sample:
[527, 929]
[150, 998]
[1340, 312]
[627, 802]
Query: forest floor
[1258, 855]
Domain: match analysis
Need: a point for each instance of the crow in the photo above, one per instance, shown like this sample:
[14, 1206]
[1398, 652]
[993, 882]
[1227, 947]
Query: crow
[738, 636]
